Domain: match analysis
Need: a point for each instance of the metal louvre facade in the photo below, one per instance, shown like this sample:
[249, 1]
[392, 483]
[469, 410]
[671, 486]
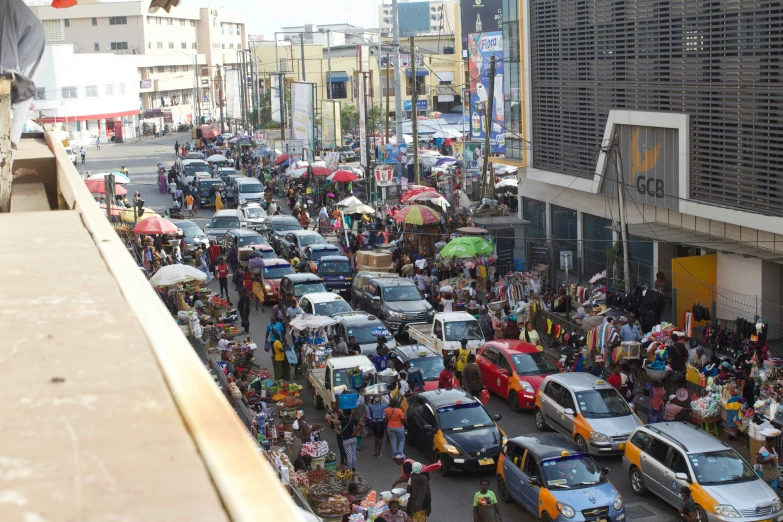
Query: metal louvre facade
[718, 61]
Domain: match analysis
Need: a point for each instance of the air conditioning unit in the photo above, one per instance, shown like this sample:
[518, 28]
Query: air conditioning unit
[448, 50]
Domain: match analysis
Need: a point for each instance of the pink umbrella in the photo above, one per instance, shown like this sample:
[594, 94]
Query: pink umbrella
[155, 225]
[97, 186]
[321, 171]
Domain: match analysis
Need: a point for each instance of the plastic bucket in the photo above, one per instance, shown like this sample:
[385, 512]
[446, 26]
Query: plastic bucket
[347, 401]
[330, 466]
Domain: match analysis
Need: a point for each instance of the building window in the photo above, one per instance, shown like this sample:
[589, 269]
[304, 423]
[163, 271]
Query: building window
[171, 45]
[564, 230]
[185, 68]
[149, 45]
[69, 92]
[150, 70]
[223, 46]
[94, 21]
[597, 239]
[96, 47]
[118, 20]
[40, 93]
[110, 90]
[230, 30]
[172, 68]
[185, 97]
[184, 45]
[161, 69]
[182, 22]
[160, 45]
[122, 89]
[193, 45]
[119, 46]
[67, 23]
[157, 20]
[170, 21]
[339, 92]
[192, 23]
[149, 19]
[230, 46]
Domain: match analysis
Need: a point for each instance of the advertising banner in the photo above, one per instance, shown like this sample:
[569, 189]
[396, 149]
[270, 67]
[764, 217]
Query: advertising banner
[421, 105]
[233, 95]
[394, 153]
[274, 101]
[473, 157]
[332, 161]
[405, 61]
[331, 136]
[302, 116]
[481, 48]
[384, 176]
[481, 16]
[365, 156]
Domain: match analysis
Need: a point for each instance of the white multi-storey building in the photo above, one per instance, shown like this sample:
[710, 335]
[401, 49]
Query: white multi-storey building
[419, 17]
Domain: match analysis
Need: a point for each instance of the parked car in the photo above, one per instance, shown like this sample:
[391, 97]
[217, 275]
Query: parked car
[295, 242]
[223, 221]
[514, 370]
[397, 302]
[247, 190]
[276, 227]
[586, 408]
[323, 303]
[365, 328]
[71, 155]
[204, 189]
[359, 284]
[311, 256]
[661, 458]
[555, 480]
[272, 274]
[224, 172]
[335, 271]
[191, 168]
[253, 215]
[424, 363]
[452, 427]
[297, 285]
[242, 237]
[444, 332]
[194, 239]
[346, 154]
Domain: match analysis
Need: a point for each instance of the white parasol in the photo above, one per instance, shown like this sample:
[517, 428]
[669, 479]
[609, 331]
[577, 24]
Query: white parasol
[216, 158]
[350, 202]
[508, 182]
[174, 274]
[361, 208]
[305, 321]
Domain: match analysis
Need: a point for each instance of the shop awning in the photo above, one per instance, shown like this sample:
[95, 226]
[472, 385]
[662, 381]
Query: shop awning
[673, 234]
[337, 76]
[419, 72]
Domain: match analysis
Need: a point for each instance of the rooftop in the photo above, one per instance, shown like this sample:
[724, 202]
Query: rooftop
[440, 398]
[547, 445]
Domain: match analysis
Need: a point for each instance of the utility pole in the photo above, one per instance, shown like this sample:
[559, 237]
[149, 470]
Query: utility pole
[281, 84]
[220, 96]
[621, 196]
[386, 86]
[301, 47]
[397, 81]
[490, 101]
[329, 64]
[415, 116]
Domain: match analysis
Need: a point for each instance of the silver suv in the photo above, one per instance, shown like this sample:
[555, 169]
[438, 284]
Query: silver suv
[664, 457]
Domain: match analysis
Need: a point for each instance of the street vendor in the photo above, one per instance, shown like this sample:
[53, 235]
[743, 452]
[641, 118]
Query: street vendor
[511, 330]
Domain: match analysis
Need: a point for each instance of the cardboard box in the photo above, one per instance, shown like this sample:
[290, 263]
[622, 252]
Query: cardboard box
[377, 259]
[384, 269]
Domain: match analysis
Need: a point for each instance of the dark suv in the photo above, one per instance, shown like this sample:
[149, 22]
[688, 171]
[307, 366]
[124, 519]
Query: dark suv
[395, 301]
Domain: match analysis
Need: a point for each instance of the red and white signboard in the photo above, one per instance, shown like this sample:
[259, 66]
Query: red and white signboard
[384, 175]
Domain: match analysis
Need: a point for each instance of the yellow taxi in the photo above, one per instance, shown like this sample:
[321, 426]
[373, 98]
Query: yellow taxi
[586, 409]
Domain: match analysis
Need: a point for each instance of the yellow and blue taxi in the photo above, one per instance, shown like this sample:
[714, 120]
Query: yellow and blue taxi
[556, 480]
[588, 410]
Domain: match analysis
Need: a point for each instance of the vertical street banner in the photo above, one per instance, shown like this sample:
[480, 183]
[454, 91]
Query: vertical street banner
[302, 115]
[473, 156]
[331, 135]
[233, 95]
[274, 100]
[481, 48]
[365, 156]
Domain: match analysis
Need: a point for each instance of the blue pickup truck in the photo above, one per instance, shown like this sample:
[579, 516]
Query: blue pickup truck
[336, 274]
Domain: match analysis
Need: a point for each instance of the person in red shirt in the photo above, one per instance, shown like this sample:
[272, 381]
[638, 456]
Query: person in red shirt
[446, 379]
[615, 379]
[214, 251]
[221, 272]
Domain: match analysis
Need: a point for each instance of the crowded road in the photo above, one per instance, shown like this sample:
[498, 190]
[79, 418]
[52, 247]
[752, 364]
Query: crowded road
[453, 495]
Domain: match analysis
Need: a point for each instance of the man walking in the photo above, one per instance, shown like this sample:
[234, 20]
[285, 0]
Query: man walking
[98, 143]
[176, 149]
[83, 152]
[178, 194]
[221, 272]
[189, 204]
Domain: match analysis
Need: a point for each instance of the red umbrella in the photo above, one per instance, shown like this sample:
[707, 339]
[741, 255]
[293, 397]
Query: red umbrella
[115, 210]
[429, 194]
[413, 190]
[210, 133]
[417, 215]
[97, 186]
[62, 4]
[155, 225]
[281, 159]
[343, 176]
[321, 171]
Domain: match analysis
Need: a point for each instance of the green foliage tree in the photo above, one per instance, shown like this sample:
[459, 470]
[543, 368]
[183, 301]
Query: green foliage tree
[349, 118]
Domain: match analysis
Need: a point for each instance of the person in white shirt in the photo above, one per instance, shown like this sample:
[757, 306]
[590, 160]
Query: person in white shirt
[419, 279]
[402, 384]
[447, 302]
[697, 358]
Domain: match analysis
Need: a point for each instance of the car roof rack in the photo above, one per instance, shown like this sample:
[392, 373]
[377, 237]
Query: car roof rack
[667, 436]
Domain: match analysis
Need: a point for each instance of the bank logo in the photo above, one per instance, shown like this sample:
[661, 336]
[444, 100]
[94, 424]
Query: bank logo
[642, 161]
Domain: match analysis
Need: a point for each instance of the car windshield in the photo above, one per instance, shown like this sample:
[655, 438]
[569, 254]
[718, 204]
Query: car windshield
[285, 226]
[364, 333]
[250, 188]
[224, 222]
[311, 240]
[720, 467]
[227, 172]
[277, 272]
[191, 230]
[457, 330]
[301, 289]
[401, 293]
[605, 402]
[196, 167]
[206, 184]
[334, 268]
[255, 212]
[533, 363]
[463, 416]
[268, 254]
[430, 367]
[575, 471]
[255, 239]
[332, 307]
[316, 255]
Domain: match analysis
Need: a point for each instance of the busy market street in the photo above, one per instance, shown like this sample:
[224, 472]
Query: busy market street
[452, 495]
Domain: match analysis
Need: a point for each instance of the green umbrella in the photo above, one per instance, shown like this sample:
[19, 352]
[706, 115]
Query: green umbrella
[468, 246]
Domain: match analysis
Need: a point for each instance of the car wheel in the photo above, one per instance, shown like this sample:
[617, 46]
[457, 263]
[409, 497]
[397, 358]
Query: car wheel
[580, 441]
[318, 402]
[545, 517]
[701, 516]
[637, 481]
[513, 402]
[540, 422]
[445, 471]
[503, 490]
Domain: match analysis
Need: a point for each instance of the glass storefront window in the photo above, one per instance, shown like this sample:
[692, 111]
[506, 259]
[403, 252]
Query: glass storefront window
[597, 239]
[535, 212]
[564, 230]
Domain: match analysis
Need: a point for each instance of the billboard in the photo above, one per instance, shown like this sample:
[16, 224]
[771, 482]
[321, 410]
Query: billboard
[393, 153]
[481, 16]
[384, 175]
[331, 134]
[274, 100]
[302, 118]
[481, 48]
[233, 95]
[362, 101]
[405, 61]
[413, 18]
[421, 105]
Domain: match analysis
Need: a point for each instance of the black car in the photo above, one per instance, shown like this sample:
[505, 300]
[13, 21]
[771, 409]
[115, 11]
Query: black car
[242, 237]
[297, 285]
[278, 226]
[451, 426]
[397, 302]
[194, 237]
[419, 359]
[204, 188]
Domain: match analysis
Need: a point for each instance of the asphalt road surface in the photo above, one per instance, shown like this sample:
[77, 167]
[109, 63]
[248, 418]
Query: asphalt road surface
[452, 496]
